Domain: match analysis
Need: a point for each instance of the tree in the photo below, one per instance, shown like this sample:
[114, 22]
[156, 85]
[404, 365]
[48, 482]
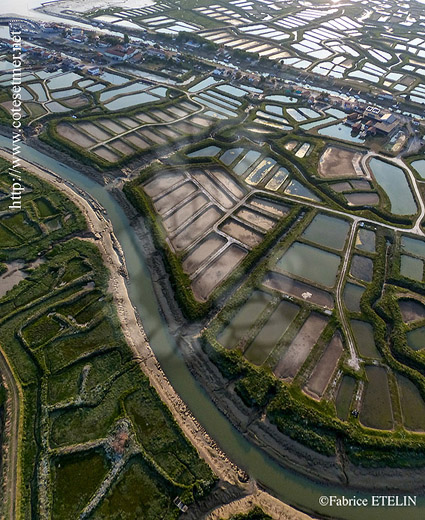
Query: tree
[126, 39]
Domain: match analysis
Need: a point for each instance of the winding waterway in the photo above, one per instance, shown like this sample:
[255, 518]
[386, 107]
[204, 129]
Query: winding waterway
[287, 485]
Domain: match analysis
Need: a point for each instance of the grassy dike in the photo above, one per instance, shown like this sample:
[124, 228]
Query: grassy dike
[87, 408]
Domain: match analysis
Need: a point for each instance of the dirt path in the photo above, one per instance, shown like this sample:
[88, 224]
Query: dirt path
[268, 504]
[12, 438]
[132, 328]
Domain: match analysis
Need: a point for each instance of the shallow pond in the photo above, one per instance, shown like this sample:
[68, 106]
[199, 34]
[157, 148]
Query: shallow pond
[209, 151]
[310, 263]
[314, 124]
[352, 295]
[363, 334]
[412, 404]
[299, 190]
[39, 91]
[341, 131]
[416, 338]
[66, 93]
[229, 89]
[131, 101]
[230, 155]
[135, 87]
[203, 84]
[282, 99]
[345, 396]
[244, 319]
[376, 409]
[412, 268]
[392, 180]
[115, 79]
[63, 80]
[297, 116]
[413, 246]
[269, 335]
[340, 114]
[419, 167]
[327, 231]
[246, 162]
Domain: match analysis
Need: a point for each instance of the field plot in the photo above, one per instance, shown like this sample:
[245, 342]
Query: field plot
[210, 220]
[339, 162]
[327, 231]
[275, 327]
[297, 352]
[311, 264]
[411, 310]
[352, 296]
[121, 137]
[345, 396]
[412, 404]
[376, 408]
[298, 289]
[361, 268]
[363, 334]
[365, 240]
[325, 368]
[243, 319]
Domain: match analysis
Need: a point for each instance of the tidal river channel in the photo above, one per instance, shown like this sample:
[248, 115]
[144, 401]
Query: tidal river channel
[287, 485]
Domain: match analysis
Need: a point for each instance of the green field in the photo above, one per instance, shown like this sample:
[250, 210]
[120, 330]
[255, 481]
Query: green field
[87, 406]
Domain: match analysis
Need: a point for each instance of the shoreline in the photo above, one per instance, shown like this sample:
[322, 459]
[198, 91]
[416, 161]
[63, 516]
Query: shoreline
[113, 258]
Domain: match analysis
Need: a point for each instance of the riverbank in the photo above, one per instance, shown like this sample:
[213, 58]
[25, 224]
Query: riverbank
[102, 235]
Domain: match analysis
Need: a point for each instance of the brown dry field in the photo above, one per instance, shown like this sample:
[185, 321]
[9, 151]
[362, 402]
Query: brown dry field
[411, 310]
[96, 132]
[226, 180]
[113, 126]
[174, 197]
[74, 135]
[176, 219]
[162, 116]
[196, 228]
[202, 251]
[339, 187]
[325, 368]
[106, 153]
[122, 147]
[285, 284]
[303, 343]
[137, 141]
[144, 118]
[162, 182]
[361, 199]
[177, 111]
[272, 207]
[239, 231]
[336, 162]
[213, 189]
[152, 136]
[256, 218]
[127, 121]
[217, 271]
[76, 102]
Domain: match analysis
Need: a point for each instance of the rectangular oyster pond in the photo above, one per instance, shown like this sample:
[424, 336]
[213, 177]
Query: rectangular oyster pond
[310, 263]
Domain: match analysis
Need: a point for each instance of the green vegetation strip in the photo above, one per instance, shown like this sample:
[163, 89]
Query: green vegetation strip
[87, 407]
